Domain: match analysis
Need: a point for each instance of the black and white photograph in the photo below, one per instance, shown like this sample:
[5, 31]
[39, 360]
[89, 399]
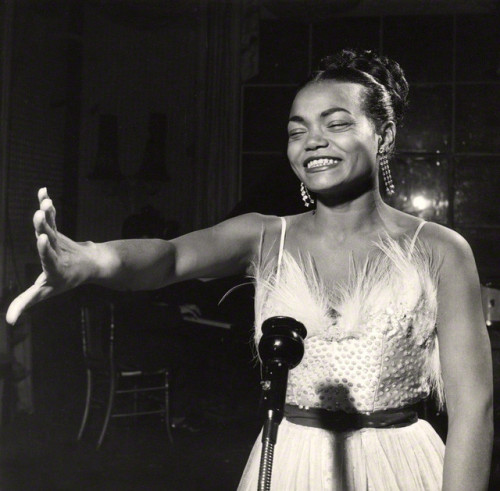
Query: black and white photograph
[249, 245]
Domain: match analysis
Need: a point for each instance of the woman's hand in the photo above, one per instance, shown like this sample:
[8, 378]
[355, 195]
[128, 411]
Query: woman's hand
[64, 262]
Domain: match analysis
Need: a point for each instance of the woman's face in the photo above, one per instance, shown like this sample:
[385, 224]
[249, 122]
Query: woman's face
[332, 145]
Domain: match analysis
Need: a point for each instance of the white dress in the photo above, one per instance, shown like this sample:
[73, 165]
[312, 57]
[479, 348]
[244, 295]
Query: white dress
[371, 345]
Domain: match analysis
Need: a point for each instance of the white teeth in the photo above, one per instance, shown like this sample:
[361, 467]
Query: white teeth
[321, 162]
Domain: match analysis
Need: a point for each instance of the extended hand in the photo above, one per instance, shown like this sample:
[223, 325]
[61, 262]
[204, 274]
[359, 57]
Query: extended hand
[63, 260]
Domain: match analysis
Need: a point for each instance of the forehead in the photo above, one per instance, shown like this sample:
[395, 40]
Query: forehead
[319, 96]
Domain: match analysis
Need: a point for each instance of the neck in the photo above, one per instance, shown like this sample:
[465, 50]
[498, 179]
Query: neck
[363, 213]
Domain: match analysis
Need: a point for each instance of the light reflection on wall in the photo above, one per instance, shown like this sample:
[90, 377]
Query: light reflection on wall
[421, 185]
[420, 202]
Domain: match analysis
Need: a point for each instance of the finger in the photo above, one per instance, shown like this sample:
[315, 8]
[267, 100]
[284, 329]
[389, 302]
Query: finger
[37, 292]
[42, 194]
[38, 218]
[50, 213]
[47, 255]
[43, 228]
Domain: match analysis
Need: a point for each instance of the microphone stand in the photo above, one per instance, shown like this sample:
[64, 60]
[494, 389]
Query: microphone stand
[281, 348]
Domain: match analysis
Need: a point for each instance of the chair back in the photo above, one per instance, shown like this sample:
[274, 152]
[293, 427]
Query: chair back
[97, 328]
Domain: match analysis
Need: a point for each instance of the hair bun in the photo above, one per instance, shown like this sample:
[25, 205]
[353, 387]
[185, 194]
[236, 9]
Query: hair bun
[384, 70]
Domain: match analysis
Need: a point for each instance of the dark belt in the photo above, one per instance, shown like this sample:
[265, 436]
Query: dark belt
[342, 421]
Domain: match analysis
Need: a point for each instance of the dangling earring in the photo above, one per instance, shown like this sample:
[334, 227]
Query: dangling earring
[306, 197]
[386, 174]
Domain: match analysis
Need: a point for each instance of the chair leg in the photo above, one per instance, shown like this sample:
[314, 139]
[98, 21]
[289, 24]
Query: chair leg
[135, 400]
[167, 409]
[109, 408]
[88, 399]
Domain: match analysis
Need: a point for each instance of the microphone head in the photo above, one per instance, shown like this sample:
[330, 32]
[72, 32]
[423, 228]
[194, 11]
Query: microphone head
[282, 341]
[281, 321]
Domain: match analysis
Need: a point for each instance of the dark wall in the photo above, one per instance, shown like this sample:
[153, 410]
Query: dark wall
[139, 114]
[36, 126]
[448, 150]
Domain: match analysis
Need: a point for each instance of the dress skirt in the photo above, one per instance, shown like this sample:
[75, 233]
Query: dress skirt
[409, 458]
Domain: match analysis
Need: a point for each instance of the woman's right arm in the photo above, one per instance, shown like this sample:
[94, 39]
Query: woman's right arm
[138, 264]
[225, 249]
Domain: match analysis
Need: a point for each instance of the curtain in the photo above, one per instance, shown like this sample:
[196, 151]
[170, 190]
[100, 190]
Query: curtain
[218, 97]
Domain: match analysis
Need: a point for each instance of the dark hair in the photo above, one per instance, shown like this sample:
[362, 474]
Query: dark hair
[387, 95]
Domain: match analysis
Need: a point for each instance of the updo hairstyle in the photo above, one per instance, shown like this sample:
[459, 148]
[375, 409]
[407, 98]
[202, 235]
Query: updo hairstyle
[387, 89]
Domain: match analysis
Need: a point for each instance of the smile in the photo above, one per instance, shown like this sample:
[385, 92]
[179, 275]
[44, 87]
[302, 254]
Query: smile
[315, 163]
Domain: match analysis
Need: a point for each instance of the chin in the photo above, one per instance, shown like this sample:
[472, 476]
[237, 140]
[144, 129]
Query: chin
[327, 186]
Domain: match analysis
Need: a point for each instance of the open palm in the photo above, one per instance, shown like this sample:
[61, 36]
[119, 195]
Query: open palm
[62, 260]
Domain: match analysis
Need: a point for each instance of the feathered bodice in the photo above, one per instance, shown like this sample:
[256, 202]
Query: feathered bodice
[371, 343]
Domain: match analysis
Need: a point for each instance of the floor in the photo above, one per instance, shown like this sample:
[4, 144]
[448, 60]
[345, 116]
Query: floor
[48, 458]
[40, 452]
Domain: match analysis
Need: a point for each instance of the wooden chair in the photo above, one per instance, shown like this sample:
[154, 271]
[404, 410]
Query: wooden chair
[122, 380]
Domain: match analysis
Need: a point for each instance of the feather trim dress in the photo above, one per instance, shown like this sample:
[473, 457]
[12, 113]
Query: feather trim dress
[371, 345]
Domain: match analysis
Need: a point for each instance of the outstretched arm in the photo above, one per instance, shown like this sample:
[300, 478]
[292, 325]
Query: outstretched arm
[465, 355]
[138, 264]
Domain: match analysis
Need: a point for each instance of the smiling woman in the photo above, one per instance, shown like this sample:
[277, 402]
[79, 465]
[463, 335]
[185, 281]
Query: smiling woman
[391, 303]
[359, 111]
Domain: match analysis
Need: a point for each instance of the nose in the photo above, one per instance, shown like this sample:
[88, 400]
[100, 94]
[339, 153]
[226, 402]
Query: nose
[315, 140]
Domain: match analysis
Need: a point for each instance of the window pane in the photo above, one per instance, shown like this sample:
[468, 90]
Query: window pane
[478, 118]
[421, 185]
[427, 126]
[478, 47]
[422, 45]
[477, 181]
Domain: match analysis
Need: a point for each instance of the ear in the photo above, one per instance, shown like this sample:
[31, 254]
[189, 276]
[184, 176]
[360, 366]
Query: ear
[387, 137]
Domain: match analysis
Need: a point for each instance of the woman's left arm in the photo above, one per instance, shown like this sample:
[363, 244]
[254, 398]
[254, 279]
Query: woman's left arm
[465, 355]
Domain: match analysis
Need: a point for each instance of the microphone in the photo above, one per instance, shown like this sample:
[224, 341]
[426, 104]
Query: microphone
[281, 348]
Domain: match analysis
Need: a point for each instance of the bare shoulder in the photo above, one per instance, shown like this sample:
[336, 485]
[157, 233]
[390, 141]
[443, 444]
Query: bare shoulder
[445, 239]
[246, 232]
[452, 249]
[265, 230]
[226, 248]
[439, 238]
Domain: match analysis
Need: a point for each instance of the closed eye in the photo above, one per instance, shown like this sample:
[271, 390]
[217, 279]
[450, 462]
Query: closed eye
[294, 134]
[337, 125]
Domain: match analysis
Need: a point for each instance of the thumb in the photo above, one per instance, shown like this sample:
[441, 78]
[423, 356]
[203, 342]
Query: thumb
[34, 294]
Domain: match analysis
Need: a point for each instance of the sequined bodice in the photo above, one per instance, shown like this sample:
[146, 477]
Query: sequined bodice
[371, 344]
[381, 369]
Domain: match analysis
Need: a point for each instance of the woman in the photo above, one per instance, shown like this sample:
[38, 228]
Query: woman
[391, 303]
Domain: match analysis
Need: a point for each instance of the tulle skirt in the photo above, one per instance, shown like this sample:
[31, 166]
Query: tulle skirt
[409, 458]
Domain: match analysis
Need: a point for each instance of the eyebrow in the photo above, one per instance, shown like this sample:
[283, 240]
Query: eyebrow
[324, 114]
